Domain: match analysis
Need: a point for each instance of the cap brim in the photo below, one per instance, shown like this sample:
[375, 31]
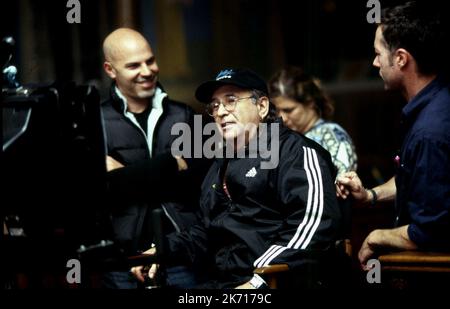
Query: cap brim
[205, 91]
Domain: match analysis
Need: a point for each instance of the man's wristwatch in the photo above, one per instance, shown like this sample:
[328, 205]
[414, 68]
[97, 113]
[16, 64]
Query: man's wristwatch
[257, 282]
[374, 199]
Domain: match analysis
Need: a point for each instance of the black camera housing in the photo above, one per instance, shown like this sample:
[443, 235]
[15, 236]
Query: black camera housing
[54, 174]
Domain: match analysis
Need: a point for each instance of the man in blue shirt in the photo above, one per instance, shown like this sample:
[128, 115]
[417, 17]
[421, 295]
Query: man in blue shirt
[409, 53]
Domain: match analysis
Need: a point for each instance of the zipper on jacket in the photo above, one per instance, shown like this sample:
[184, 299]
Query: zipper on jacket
[225, 189]
[224, 185]
[177, 227]
[150, 144]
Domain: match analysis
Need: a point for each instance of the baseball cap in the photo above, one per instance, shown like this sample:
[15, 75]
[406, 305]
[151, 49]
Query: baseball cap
[243, 78]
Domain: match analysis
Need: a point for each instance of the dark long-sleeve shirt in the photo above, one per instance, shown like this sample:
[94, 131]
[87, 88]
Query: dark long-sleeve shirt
[423, 178]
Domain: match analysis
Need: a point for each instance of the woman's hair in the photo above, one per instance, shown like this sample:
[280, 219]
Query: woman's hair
[295, 84]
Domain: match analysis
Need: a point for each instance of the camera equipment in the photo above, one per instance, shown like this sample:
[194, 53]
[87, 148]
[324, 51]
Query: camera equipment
[53, 156]
[53, 171]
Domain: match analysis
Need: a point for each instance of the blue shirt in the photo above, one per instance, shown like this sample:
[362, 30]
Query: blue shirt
[423, 177]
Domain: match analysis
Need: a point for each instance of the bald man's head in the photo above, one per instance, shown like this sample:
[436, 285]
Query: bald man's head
[121, 40]
[129, 60]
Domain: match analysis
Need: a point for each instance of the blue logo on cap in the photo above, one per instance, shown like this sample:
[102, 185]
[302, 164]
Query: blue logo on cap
[224, 74]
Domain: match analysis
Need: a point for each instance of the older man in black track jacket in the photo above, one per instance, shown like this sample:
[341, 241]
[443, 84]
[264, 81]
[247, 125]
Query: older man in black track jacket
[255, 213]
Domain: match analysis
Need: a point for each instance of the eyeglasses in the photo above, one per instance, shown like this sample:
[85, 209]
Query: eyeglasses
[229, 104]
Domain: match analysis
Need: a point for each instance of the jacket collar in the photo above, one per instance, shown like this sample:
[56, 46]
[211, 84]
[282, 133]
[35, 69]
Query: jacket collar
[119, 102]
[421, 100]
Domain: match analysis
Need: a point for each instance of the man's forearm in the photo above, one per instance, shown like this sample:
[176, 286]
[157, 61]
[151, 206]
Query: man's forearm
[397, 238]
[384, 192]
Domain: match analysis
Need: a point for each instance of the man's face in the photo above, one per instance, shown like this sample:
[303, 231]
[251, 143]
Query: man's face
[134, 69]
[246, 114]
[389, 72]
[297, 116]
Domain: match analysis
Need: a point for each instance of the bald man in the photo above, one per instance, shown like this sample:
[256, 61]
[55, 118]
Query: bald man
[130, 61]
[138, 119]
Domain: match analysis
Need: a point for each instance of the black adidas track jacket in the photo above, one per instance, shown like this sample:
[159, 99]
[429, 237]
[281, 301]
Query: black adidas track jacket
[270, 215]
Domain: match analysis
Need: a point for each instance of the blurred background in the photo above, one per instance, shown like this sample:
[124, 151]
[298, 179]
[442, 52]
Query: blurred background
[194, 39]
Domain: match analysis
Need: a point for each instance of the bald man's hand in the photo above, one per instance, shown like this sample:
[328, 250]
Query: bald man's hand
[112, 164]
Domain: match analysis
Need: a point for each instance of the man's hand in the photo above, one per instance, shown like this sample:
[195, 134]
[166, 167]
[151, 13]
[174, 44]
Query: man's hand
[182, 165]
[397, 239]
[349, 183]
[112, 164]
[368, 249]
[140, 272]
[245, 286]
